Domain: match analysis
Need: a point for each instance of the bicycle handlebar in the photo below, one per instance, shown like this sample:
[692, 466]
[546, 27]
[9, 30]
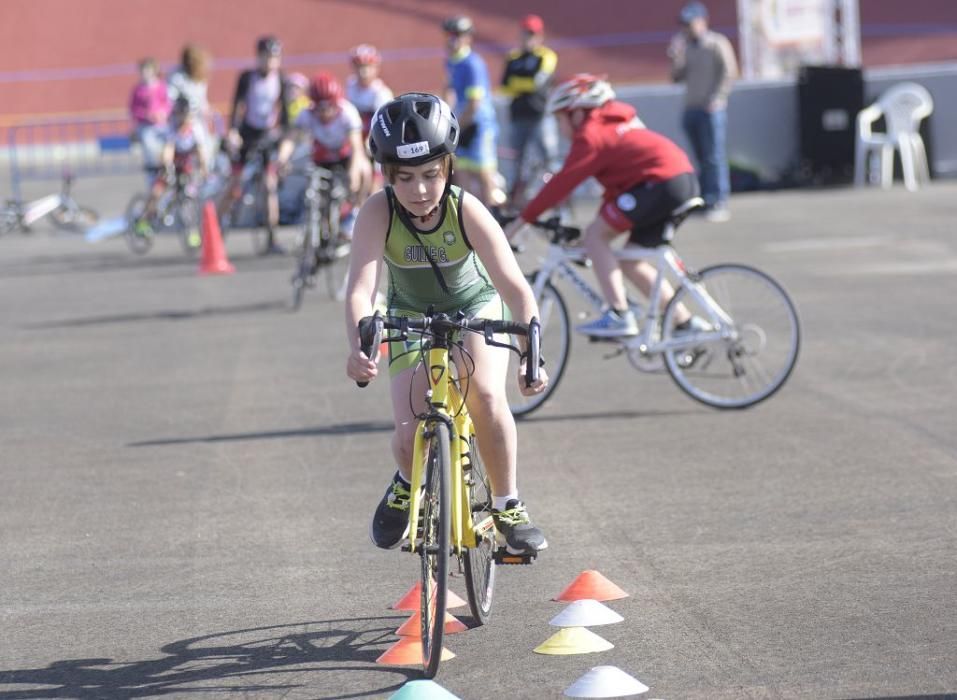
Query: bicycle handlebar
[560, 233]
[371, 328]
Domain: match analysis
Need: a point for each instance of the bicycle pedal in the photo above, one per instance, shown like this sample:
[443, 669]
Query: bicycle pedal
[504, 557]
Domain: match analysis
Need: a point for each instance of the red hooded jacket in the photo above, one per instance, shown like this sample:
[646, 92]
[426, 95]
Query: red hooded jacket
[611, 147]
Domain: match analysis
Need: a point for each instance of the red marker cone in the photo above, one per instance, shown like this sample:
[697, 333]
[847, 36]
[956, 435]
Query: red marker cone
[410, 601]
[413, 626]
[214, 261]
[591, 584]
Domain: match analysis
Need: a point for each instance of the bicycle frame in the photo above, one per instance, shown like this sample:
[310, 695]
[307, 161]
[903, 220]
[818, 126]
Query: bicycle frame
[560, 261]
[446, 405]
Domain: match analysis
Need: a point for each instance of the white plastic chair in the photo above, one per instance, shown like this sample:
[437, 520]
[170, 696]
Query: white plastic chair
[903, 107]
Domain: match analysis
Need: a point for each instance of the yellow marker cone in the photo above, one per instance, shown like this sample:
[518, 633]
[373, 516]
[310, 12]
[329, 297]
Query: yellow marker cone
[573, 640]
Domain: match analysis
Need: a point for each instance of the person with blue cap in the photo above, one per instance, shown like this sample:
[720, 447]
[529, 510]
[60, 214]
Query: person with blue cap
[704, 61]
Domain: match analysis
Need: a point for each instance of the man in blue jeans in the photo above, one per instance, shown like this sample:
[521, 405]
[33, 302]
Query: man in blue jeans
[704, 61]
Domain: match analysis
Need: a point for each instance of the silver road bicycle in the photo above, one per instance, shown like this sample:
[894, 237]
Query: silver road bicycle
[739, 351]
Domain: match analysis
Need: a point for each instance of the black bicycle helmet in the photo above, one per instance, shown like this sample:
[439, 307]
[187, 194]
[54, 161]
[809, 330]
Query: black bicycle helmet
[412, 129]
[459, 24]
[269, 45]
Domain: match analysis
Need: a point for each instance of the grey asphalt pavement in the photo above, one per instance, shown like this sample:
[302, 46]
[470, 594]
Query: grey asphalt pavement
[187, 476]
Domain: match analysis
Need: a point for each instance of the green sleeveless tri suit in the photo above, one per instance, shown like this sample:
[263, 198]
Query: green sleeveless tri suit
[413, 284]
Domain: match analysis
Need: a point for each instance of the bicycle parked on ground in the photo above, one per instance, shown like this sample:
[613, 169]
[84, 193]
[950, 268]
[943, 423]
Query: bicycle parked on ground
[64, 211]
[321, 246]
[742, 353]
[178, 208]
[450, 512]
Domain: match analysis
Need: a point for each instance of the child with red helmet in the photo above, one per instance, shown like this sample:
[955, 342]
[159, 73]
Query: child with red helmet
[645, 176]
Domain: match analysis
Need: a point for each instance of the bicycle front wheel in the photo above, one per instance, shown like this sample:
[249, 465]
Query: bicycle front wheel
[479, 561]
[139, 240]
[556, 344]
[434, 548]
[305, 267]
[187, 223]
[753, 357]
[261, 230]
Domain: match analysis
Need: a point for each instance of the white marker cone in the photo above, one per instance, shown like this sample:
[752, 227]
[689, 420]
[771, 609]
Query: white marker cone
[585, 613]
[605, 682]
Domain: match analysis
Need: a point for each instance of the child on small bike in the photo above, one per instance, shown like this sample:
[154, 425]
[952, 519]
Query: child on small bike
[182, 156]
[443, 250]
[646, 177]
[335, 127]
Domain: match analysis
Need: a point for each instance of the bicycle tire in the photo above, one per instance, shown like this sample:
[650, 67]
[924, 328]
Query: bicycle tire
[305, 267]
[74, 218]
[479, 561]
[9, 220]
[187, 224]
[434, 548]
[336, 254]
[556, 346]
[755, 358]
[137, 243]
[260, 232]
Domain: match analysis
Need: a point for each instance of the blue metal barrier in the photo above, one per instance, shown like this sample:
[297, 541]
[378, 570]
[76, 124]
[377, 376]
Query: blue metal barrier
[47, 150]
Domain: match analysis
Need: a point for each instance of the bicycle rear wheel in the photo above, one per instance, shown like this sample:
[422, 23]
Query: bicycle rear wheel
[556, 344]
[434, 548]
[754, 357]
[138, 242]
[479, 561]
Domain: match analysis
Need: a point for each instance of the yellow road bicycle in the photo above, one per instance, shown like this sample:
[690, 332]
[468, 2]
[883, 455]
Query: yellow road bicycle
[450, 513]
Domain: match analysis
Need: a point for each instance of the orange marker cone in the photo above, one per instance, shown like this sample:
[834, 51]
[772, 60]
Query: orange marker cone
[407, 652]
[591, 584]
[410, 601]
[413, 626]
[214, 261]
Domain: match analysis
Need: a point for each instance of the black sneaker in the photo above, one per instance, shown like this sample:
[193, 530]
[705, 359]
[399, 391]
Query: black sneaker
[390, 524]
[514, 525]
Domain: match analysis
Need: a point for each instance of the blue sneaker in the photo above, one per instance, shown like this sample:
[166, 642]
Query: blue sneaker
[611, 324]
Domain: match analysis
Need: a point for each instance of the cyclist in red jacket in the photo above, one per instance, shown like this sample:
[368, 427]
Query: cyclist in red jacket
[645, 177]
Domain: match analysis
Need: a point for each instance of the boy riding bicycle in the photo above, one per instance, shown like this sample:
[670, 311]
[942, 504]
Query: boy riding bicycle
[335, 127]
[645, 176]
[443, 251]
[182, 154]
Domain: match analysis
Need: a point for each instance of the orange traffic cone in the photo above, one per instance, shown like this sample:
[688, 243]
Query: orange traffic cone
[410, 601]
[591, 584]
[407, 652]
[214, 261]
[413, 626]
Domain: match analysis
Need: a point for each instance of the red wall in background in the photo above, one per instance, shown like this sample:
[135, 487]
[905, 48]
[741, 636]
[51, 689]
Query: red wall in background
[68, 56]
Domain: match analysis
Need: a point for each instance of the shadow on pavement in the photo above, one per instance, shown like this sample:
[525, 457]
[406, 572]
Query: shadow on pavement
[340, 429]
[606, 415]
[222, 662]
[165, 314]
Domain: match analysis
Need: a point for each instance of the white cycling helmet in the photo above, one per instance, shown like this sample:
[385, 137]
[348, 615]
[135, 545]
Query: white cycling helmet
[582, 91]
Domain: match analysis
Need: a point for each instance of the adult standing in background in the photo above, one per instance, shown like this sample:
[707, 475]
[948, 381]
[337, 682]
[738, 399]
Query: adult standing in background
[528, 74]
[470, 95]
[704, 61]
[190, 81]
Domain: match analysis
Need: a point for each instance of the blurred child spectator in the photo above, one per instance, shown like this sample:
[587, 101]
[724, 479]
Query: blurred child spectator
[190, 81]
[297, 97]
[149, 110]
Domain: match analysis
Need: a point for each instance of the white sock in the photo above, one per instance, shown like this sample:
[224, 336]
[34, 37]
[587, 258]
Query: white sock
[500, 502]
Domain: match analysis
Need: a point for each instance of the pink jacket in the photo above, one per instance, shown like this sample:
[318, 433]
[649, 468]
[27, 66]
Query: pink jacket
[149, 104]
